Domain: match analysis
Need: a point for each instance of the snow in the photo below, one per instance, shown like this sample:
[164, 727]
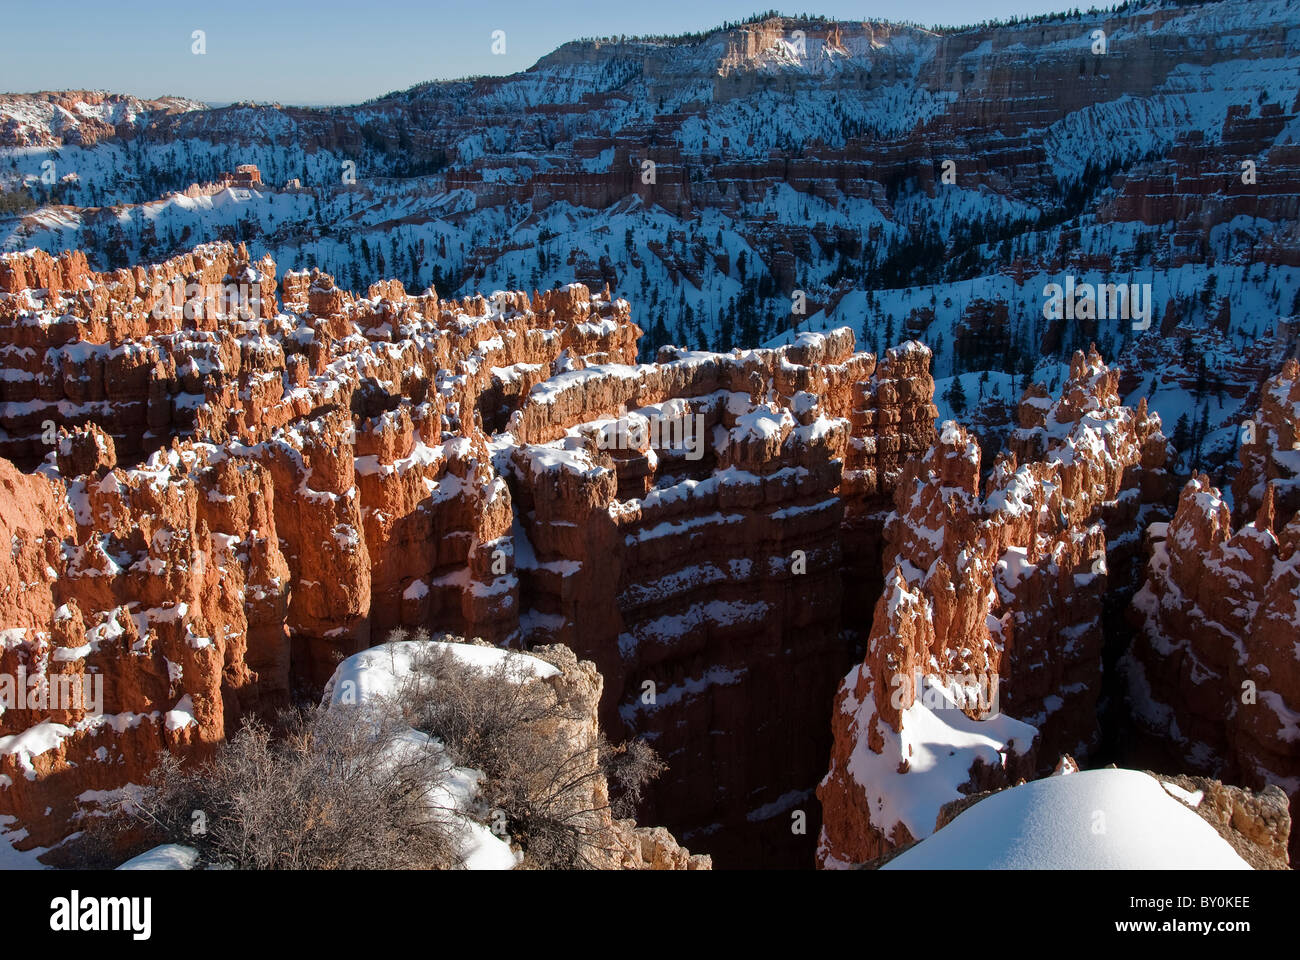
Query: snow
[782, 804]
[1014, 566]
[940, 746]
[548, 391]
[672, 528]
[565, 455]
[685, 689]
[1187, 98]
[48, 735]
[752, 121]
[34, 741]
[181, 715]
[762, 423]
[1091, 820]
[11, 858]
[379, 671]
[168, 856]
[671, 629]
[1192, 798]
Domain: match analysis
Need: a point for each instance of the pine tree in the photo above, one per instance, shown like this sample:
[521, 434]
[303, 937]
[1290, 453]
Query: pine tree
[1182, 434]
[956, 396]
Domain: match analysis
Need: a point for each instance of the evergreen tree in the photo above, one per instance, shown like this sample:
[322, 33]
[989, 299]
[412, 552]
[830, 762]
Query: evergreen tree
[956, 396]
[1182, 434]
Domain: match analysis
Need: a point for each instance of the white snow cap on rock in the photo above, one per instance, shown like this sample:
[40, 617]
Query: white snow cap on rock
[380, 671]
[1091, 820]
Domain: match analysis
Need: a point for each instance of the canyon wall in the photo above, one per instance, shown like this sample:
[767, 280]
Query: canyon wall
[700, 587]
[222, 495]
[230, 490]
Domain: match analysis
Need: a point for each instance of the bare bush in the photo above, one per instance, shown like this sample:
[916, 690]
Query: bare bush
[337, 790]
[353, 787]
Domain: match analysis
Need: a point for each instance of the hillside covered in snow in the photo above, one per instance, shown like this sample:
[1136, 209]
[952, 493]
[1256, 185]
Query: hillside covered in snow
[777, 176]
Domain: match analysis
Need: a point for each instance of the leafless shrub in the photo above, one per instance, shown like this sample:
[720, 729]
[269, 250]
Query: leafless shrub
[352, 787]
[630, 768]
[336, 791]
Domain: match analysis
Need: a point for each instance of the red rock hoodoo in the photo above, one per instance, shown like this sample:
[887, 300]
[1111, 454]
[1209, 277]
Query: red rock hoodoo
[241, 484]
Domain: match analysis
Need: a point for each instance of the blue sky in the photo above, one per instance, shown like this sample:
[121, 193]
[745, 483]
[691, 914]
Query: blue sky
[345, 51]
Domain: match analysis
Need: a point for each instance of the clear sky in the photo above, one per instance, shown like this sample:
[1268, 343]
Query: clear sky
[346, 51]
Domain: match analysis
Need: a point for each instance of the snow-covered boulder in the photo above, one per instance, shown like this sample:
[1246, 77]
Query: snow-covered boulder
[1092, 820]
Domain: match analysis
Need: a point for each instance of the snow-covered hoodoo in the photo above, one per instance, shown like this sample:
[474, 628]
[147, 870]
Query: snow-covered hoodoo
[227, 495]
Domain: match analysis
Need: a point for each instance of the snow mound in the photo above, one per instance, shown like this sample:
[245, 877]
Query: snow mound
[380, 671]
[168, 856]
[1092, 820]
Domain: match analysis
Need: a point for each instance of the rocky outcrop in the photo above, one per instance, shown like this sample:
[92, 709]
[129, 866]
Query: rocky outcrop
[578, 694]
[1269, 452]
[993, 610]
[1193, 186]
[246, 177]
[1257, 823]
[81, 117]
[1213, 676]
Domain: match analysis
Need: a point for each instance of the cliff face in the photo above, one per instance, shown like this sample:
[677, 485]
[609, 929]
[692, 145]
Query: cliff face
[1214, 674]
[699, 587]
[1268, 454]
[237, 492]
[993, 611]
[579, 687]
